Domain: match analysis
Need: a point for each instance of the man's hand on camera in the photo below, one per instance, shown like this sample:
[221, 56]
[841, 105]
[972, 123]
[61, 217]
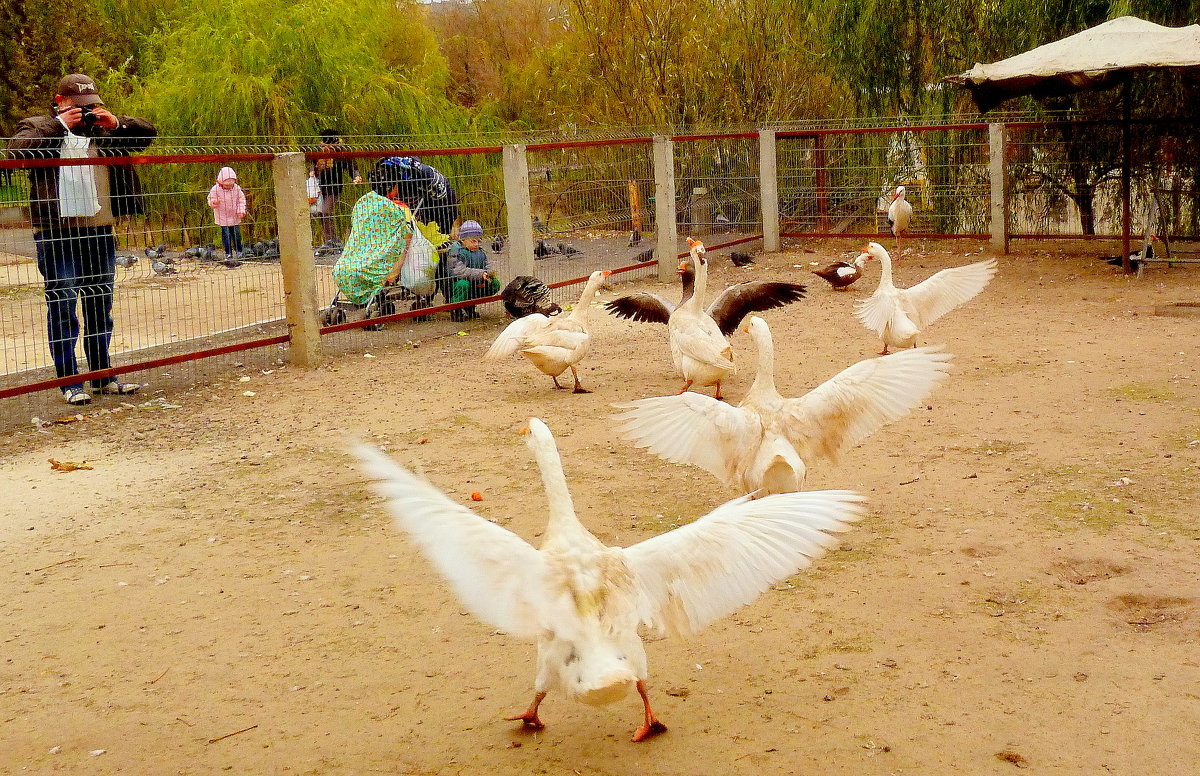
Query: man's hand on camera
[106, 119]
[72, 117]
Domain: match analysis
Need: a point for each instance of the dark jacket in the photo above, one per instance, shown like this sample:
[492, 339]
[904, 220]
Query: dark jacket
[40, 137]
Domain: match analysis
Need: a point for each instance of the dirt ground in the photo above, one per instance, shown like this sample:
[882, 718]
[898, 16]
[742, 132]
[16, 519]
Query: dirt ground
[221, 593]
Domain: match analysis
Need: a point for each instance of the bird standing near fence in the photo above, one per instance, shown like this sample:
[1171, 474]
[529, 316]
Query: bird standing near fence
[552, 344]
[583, 602]
[899, 215]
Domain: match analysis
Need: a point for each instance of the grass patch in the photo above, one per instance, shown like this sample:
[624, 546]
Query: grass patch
[1143, 392]
[21, 293]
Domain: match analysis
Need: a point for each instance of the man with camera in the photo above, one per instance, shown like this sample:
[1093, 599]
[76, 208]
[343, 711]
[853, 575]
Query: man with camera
[72, 209]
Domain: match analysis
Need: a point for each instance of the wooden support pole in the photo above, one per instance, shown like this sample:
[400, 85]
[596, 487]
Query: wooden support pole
[768, 188]
[999, 210]
[520, 216]
[665, 231]
[1126, 163]
[289, 172]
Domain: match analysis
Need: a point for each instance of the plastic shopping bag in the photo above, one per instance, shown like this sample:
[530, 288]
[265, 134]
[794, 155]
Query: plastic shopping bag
[420, 264]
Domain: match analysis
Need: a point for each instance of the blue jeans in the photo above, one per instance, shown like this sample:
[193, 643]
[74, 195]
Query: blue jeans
[78, 263]
[231, 239]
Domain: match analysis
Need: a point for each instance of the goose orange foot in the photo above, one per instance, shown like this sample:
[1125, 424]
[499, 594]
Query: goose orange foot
[530, 720]
[687, 384]
[651, 727]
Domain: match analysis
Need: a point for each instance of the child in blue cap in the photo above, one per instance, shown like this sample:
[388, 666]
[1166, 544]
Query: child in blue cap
[472, 273]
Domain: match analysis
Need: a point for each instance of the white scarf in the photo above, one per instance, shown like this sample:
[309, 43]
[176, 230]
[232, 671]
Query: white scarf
[77, 195]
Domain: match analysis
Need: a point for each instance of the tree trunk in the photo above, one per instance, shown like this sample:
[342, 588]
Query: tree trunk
[1084, 199]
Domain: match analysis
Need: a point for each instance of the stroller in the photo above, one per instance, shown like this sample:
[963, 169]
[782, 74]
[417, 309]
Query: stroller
[420, 277]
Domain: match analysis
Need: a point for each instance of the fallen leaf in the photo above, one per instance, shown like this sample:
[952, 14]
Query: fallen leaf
[477, 496]
[67, 466]
[423, 440]
[1012, 757]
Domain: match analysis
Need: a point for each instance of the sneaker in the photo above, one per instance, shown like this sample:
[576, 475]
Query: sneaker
[115, 388]
[76, 396]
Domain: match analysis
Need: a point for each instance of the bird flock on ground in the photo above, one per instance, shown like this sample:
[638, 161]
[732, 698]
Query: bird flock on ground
[587, 605]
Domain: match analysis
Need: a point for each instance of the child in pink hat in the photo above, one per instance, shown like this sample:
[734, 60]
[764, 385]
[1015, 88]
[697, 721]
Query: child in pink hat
[228, 203]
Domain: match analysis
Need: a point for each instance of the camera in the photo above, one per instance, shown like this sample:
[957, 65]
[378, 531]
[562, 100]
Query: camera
[87, 118]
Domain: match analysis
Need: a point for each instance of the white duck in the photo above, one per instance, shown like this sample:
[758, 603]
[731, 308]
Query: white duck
[899, 215]
[763, 444]
[583, 601]
[554, 344]
[699, 348]
[898, 315]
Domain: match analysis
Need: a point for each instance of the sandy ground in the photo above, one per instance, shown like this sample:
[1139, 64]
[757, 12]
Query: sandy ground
[221, 593]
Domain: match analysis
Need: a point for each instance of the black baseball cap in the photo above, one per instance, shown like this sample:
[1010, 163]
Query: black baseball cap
[79, 90]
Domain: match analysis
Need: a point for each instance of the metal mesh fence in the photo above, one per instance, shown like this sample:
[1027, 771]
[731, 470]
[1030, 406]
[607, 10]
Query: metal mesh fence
[841, 182]
[177, 296]
[717, 187]
[592, 208]
[1065, 179]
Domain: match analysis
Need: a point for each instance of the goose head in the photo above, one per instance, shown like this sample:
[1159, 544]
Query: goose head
[597, 672]
[875, 251]
[696, 248]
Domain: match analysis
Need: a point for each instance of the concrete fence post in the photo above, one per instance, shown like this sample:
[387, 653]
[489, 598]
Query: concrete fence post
[999, 210]
[768, 188]
[665, 230]
[289, 172]
[520, 216]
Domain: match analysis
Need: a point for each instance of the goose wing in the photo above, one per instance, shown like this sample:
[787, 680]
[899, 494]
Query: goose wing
[855, 403]
[691, 428]
[943, 291]
[495, 574]
[879, 309]
[695, 574]
[514, 336]
[741, 299]
[646, 307]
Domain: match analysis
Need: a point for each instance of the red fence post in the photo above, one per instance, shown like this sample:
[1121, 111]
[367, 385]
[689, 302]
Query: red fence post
[822, 185]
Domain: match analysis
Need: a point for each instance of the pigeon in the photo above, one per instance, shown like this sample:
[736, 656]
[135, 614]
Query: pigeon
[259, 247]
[272, 250]
[162, 268]
[539, 226]
[232, 262]
[498, 243]
[646, 255]
[740, 259]
[126, 261]
[193, 252]
[542, 250]
[208, 253]
[249, 253]
[156, 252]
[568, 250]
[635, 238]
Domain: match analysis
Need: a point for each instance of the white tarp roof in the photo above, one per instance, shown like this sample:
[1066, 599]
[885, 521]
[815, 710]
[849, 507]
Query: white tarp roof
[1086, 60]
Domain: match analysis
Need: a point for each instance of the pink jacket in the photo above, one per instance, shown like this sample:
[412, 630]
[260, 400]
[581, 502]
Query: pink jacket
[229, 205]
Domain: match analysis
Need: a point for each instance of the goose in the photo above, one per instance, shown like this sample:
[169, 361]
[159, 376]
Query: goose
[899, 215]
[842, 274]
[699, 347]
[762, 444]
[555, 344]
[583, 601]
[526, 294]
[898, 315]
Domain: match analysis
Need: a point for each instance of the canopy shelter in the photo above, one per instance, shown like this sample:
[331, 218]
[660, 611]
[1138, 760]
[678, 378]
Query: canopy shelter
[1097, 58]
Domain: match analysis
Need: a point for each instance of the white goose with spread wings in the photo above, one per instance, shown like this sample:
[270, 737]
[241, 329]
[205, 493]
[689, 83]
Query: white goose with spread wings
[554, 344]
[898, 315]
[764, 443]
[582, 601]
[699, 348]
